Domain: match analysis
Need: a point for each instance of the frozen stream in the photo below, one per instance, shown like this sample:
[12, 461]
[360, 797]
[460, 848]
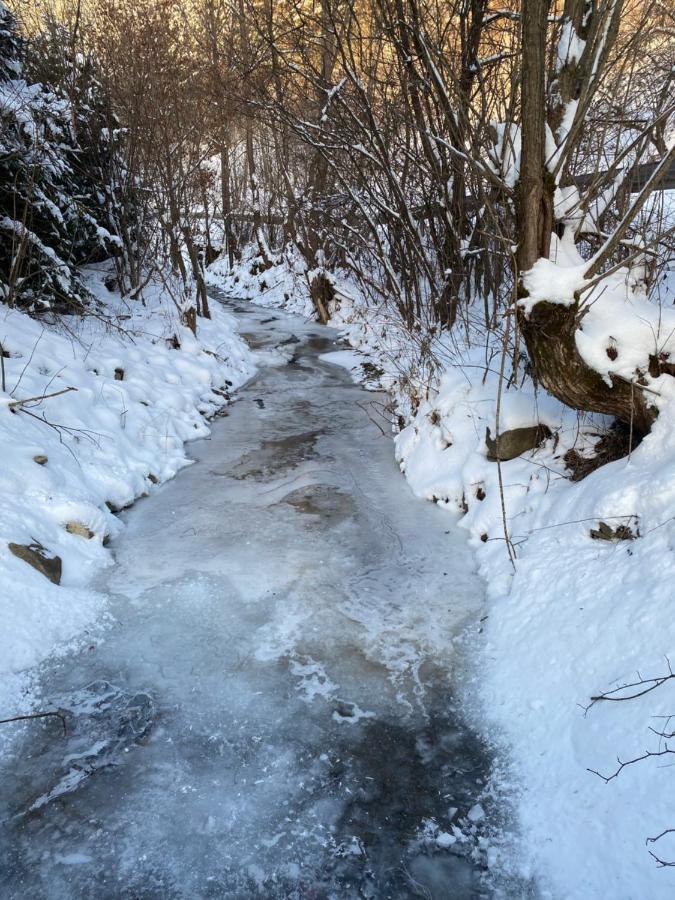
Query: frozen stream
[271, 711]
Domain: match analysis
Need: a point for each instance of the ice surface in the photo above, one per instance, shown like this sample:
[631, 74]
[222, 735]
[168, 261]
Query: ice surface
[272, 712]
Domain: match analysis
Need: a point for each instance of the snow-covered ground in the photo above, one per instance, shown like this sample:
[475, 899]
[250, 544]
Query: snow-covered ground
[574, 616]
[130, 387]
[273, 710]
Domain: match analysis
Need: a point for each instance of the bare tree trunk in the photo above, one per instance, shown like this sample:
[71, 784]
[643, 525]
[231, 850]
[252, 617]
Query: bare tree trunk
[226, 200]
[209, 253]
[198, 274]
[532, 218]
[250, 154]
[319, 171]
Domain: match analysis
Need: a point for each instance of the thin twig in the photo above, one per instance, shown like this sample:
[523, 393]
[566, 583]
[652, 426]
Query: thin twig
[370, 419]
[509, 545]
[645, 685]
[28, 362]
[630, 762]
[37, 715]
[17, 404]
[662, 863]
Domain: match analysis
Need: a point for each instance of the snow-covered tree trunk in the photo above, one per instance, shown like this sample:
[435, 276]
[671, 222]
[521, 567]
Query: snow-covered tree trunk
[550, 336]
[550, 126]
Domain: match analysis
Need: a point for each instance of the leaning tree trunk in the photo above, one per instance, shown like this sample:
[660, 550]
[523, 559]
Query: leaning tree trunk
[550, 336]
[549, 330]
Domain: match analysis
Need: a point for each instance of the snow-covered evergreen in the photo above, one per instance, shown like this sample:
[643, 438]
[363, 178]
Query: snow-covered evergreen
[54, 184]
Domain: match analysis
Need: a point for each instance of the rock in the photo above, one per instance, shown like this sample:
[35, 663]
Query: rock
[38, 557]
[605, 532]
[114, 508]
[344, 709]
[119, 374]
[510, 444]
[372, 371]
[153, 479]
[41, 459]
[79, 529]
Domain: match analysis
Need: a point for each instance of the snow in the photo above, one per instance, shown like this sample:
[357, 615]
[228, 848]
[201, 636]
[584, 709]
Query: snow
[445, 840]
[286, 644]
[620, 328]
[351, 360]
[281, 286]
[570, 46]
[476, 813]
[577, 616]
[553, 280]
[505, 157]
[321, 634]
[105, 440]
[567, 205]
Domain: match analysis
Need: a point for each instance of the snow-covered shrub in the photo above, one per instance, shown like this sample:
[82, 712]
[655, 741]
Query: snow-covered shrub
[50, 204]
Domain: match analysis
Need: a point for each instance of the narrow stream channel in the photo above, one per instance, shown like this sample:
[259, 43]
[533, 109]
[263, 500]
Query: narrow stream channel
[271, 711]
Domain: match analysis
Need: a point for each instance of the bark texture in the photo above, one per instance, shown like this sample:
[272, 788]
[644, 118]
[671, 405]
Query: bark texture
[534, 194]
[549, 334]
[322, 293]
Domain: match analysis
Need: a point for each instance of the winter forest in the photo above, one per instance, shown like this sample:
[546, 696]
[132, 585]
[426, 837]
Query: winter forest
[337, 362]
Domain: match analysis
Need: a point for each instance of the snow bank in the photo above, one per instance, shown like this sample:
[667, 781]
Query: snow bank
[620, 329]
[285, 285]
[578, 616]
[130, 388]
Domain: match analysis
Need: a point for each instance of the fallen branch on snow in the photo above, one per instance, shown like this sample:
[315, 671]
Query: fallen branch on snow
[17, 404]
